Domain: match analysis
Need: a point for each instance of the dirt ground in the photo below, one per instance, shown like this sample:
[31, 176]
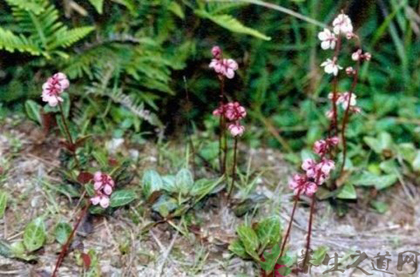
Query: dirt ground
[123, 248]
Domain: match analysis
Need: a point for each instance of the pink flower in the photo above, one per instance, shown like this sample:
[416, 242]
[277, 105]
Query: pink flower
[342, 24]
[103, 182]
[322, 147]
[216, 52]
[331, 67]
[329, 114]
[224, 67]
[310, 167]
[356, 55]
[350, 35]
[234, 111]
[302, 184]
[326, 166]
[52, 89]
[328, 39]
[345, 99]
[219, 111]
[236, 129]
[103, 186]
[102, 200]
[350, 71]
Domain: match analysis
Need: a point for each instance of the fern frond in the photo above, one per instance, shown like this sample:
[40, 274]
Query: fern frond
[65, 38]
[35, 6]
[45, 29]
[11, 42]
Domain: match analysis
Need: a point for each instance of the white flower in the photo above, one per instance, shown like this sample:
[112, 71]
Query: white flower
[330, 67]
[328, 39]
[344, 100]
[356, 55]
[342, 24]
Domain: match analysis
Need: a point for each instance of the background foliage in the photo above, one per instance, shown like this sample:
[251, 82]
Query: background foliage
[124, 56]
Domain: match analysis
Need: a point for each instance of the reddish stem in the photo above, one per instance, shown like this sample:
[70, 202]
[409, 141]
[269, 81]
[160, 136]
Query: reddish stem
[289, 227]
[347, 111]
[69, 138]
[222, 126]
[235, 150]
[69, 239]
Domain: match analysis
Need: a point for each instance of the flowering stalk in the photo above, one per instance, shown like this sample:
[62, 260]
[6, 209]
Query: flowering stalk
[224, 68]
[103, 183]
[289, 227]
[51, 93]
[341, 25]
[222, 131]
[358, 56]
[232, 113]
[235, 150]
[317, 172]
[69, 138]
[66, 246]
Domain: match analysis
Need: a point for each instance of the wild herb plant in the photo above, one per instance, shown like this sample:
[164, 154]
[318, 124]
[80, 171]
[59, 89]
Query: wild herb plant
[318, 172]
[102, 191]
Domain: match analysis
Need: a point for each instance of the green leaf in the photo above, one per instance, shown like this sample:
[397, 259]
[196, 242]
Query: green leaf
[90, 189]
[33, 110]
[18, 251]
[151, 182]
[62, 232]
[250, 240]
[176, 9]
[238, 248]
[416, 162]
[165, 205]
[34, 235]
[319, 255]
[5, 250]
[389, 166]
[169, 183]
[379, 206]
[270, 258]
[184, 181]
[122, 198]
[379, 182]
[232, 24]
[98, 4]
[383, 143]
[203, 187]
[407, 151]
[268, 232]
[307, 154]
[3, 203]
[347, 192]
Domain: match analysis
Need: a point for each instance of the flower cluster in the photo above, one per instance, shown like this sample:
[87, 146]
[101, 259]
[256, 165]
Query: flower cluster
[223, 67]
[360, 56]
[315, 172]
[346, 100]
[342, 25]
[324, 146]
[52, 89]
[233, 112]
[103, 186]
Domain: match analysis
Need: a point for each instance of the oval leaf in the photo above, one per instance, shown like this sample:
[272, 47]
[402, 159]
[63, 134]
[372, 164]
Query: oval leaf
[34, 235]
[122, 197]
[62, 232]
